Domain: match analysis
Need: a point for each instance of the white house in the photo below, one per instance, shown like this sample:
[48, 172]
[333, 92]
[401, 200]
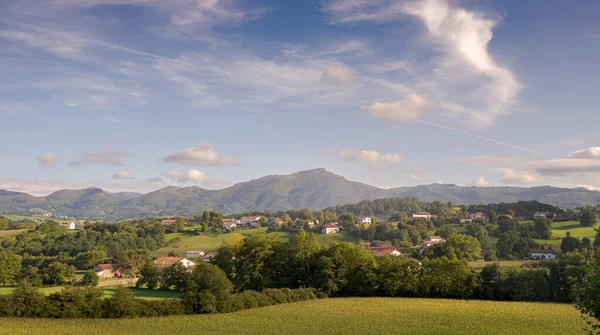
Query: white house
[251, 221]
[363, 220]
[546, 215]
[68, 225]
[542, 254]
[466, 220]
[229, 224]
[168, 261]
[478, 216]
[330, 228]
[194, 253]
[421, 215]
[168, 222]
[430, 241]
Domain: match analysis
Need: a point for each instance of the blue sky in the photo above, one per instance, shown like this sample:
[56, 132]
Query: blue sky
[134, 95]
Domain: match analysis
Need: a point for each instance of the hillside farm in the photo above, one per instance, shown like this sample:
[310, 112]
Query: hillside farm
[338, 316]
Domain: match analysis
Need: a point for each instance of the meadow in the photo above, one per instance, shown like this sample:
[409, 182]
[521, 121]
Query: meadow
[337, 316]
[209, 243]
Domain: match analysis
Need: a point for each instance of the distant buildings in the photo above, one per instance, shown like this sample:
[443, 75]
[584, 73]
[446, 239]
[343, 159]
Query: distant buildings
[546, 215]
[330, 228]
[252, 221]
[168, 222]
[363, 220]
[194, 253]
[542, 254]
[108, 270]
[163, 262]
[421, 215]
[385, 250]
[68, 225]
[430, 241]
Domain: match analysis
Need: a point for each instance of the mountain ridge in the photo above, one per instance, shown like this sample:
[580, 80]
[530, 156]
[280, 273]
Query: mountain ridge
[315, 189]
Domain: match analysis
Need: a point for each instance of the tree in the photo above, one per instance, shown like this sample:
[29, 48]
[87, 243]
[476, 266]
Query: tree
[569, 243]
[174, 276]
[493, 216]
[588, 219]
[304, 248]
[149, 276]
[179, 224]
[90, 278]
[207, 289]
[4, 222]
[460, 246]
[10, 267]
[305, 214]
[587, 296]
[31, 275]
[597, 238]
[543, 228]
[510, 212]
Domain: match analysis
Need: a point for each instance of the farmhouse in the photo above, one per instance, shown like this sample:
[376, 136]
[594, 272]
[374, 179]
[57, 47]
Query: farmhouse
[108, 270]
[466, 220]
[330, 228]
[363, 220]
[542, 254]
[168, 222]
[276, 221]
[68, 225]
[194, 253]
[229, 224]
[385, 250]
[510, 217]
[251, 221]
[478, 216]
[430, 241]
[168, 261]
[546, 215]
[421, 215]
[209, 258]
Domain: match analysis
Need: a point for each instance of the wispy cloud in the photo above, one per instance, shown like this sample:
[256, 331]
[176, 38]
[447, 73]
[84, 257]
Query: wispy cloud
[370, 158]
[409, 109]
[511, 176]
[339, 74]
[479, 182]
[105, 156]
[122, 175]
[203, 154]
[48, 159]
[191, 175]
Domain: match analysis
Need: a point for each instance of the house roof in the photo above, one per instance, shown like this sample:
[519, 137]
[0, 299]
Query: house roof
[194, 252]
[167, 260]
[542, 251]
[105, 266]
[168, 221]
[433, 238]
[332, 225]
[250, 217]
[384, 249]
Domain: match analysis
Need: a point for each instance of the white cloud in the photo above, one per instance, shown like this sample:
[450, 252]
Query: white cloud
[412, 108]
[372, 159]
[465, 78]
[339, 74]
[105, 156]
[511, 176]
[480, 182]
[203, 154]
[415, 177]
[60, 44]
[589, 187]
[589, 153]
[48, 158]
[191, 175]
[122, 175]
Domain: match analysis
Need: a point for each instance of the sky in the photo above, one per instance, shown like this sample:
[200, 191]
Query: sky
[135, 95]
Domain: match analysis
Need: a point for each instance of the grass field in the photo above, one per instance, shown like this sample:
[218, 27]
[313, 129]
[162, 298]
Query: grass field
[508, 264]
[560, 229]
[210, 243]
[6, 233]
[337, 316]
[110, 290]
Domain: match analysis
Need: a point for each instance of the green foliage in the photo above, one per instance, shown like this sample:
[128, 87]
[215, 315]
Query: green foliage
[149, 276]
[588, 219]
[587, 292]
[10, 266]
[90, 279]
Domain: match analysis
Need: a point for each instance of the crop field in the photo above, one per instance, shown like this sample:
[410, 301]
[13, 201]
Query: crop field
[209, 243]
[337, 316]
[6, 233]
[508, 264]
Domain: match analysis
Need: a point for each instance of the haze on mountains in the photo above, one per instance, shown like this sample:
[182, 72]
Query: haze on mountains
[315, 189]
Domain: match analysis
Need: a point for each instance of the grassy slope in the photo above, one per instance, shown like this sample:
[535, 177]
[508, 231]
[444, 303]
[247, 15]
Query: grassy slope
[6, 233]
[338, 316]
[210, 243]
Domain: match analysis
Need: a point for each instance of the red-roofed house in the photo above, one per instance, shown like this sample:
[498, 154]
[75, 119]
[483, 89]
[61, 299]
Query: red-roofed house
[194, 253]
[168, 222]
[68, 225]
[385, 250]
[168, 261]
[251, 221]
[363, 220]
[108, 270]
[421, 215]
[478, 216]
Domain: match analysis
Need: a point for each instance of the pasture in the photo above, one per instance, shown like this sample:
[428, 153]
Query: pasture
[209, 243]
[337, 316]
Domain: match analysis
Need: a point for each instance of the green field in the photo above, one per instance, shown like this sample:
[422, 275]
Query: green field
[560, 229]
[209, 243]
[6, 233]
[337, 316]
[507, 264]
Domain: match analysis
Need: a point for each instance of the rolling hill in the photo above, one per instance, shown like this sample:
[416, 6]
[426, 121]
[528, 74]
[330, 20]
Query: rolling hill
[314, 189]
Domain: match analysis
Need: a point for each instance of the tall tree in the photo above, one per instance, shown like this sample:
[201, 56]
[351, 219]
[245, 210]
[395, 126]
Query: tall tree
[10, 267]
[588, 219]
[304, 248]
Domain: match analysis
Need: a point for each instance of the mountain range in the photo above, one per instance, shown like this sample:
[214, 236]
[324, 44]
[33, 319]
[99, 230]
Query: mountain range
[315, 189]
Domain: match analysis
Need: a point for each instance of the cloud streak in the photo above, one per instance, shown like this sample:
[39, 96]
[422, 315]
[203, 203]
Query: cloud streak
[203, 154]
[370, 158]
[48, 159]
[105, 156]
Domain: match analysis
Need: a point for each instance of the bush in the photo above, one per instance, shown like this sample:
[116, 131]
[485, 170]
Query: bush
[90, 278]
[75, 302]
[122, 304]
[25, 301]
